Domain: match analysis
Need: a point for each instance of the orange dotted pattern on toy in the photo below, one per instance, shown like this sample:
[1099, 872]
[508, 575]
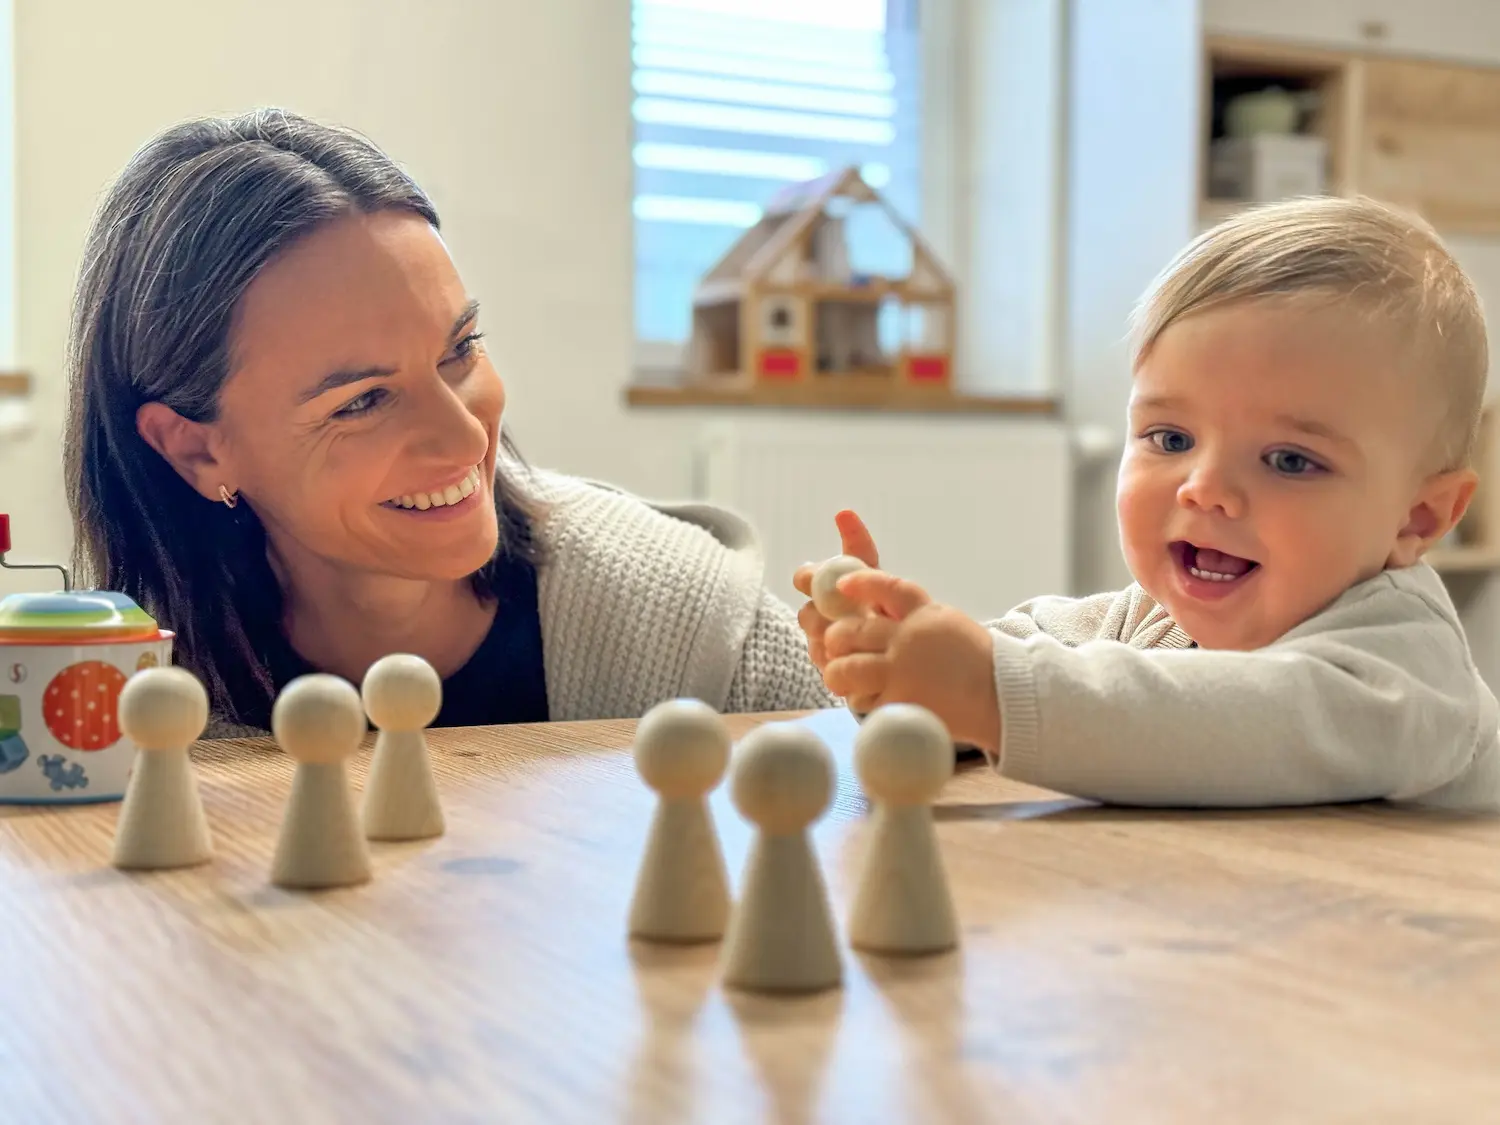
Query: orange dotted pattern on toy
[81, 705]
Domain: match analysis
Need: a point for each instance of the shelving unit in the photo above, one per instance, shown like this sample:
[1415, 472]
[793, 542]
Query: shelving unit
[1235, 66]
[1420, 133]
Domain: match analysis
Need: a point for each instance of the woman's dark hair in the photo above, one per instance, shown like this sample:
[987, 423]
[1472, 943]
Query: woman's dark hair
[180, 236]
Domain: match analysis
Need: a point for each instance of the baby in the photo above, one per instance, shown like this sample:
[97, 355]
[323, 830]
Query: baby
[1307, 384]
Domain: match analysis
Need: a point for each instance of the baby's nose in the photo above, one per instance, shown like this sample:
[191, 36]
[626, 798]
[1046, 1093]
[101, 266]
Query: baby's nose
[1209, 487]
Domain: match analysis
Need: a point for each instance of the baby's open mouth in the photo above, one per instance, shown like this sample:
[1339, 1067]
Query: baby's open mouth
[1211, 565]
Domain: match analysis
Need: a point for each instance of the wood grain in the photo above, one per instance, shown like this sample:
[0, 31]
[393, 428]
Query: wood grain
[844, 392]
[1323, 965]
[1432, 141]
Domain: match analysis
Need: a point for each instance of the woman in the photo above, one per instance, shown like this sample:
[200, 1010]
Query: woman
[285, 442]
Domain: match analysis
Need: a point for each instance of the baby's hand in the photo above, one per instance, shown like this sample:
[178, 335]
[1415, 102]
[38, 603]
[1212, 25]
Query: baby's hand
[857, 541]
[914, 650]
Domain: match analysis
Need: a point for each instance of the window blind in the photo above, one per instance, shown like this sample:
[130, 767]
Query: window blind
[734, 99]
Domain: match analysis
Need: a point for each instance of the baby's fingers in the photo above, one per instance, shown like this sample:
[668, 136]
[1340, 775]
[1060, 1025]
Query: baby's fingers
[862, 675]
[815, 625]
[884, 593]
[802, 579]
[864, 633]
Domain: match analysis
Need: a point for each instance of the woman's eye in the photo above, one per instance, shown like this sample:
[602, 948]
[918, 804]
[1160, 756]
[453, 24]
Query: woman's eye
[361, 404]
[1171, 441]
[466, 347]
[1291, 463]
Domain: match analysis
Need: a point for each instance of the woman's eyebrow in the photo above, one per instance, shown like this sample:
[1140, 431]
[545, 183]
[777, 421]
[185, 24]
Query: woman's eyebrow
[336, 379]
[465, 318]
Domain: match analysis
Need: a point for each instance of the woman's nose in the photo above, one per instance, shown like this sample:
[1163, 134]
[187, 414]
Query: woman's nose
[445, 429]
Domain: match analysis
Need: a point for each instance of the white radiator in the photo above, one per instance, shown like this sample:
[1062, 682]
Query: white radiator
[978, 510]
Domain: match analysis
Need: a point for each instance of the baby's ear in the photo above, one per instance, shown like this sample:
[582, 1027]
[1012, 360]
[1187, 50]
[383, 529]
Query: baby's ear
[1440, 504]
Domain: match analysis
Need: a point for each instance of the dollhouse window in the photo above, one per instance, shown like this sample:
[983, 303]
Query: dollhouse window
[735, 99]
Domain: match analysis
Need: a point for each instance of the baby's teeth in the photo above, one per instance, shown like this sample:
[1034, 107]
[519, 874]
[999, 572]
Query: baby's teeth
[1211, 575]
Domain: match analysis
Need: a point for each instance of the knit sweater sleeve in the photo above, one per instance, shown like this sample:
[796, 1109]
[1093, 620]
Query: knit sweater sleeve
[775, 672]
[1375, 697]
[1069, 621]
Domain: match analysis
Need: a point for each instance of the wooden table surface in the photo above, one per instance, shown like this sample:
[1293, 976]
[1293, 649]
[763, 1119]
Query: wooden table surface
[1310, 966]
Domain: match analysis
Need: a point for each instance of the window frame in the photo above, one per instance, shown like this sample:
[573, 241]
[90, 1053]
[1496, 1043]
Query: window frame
[663, 361]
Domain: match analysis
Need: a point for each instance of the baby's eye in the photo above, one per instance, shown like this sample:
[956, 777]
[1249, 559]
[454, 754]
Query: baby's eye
[1170, 441]
[1291, 463]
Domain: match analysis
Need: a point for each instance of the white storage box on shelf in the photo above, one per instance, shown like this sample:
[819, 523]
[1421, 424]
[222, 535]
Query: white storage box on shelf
[1268, 167]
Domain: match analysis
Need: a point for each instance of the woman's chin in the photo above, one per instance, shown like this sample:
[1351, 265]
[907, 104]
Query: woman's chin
[446, 553]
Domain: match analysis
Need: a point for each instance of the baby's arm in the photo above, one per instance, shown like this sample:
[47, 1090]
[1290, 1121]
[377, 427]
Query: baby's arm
[1375, 702]
[1071, 621]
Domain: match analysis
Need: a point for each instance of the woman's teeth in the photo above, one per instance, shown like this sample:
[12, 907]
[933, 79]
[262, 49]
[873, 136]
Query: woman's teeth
[450, 495]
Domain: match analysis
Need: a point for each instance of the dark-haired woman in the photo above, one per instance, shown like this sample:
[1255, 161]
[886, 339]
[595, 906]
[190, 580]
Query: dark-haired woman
[285, 442]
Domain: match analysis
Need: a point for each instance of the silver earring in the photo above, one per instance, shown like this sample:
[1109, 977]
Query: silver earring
[230, 498]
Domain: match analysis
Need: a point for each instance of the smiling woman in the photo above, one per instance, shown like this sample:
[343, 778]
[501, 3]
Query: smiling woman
[285, 442]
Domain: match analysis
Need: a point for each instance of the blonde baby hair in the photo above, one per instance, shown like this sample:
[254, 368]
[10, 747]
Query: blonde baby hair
[1390, 263]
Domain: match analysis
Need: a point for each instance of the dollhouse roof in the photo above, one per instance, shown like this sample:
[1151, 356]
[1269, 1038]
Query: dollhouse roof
[769, 255]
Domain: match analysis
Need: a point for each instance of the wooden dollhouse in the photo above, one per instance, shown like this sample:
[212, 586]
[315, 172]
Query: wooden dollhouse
[784, 308]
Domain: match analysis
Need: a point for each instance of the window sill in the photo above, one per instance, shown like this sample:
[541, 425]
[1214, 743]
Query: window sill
[847, 393]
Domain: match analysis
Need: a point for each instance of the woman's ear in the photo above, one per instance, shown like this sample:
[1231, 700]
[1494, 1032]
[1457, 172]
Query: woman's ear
[191, 448]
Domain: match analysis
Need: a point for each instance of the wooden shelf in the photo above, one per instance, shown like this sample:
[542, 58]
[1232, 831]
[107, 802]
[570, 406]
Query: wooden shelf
[838, 393]
[15, 384]
[1418, 133]
[1233, 65]
[1464, 560]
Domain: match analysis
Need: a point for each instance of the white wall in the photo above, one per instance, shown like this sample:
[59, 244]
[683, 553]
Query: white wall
[514, 115]
[1007, 180]
[1132, 204]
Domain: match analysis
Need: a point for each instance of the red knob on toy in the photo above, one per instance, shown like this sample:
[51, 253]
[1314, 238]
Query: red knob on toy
[4, 533]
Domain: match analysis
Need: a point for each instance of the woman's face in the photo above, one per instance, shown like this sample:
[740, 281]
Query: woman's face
[362, 416]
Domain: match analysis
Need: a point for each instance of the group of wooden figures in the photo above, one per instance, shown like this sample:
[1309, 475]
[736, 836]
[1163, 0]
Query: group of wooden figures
[319, 720]
[779, 936]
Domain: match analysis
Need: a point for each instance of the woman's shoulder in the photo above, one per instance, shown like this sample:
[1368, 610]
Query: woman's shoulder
[588, 512]
[640, 600]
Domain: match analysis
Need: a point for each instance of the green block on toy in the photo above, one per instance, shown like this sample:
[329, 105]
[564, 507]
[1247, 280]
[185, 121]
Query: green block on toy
[10, 714]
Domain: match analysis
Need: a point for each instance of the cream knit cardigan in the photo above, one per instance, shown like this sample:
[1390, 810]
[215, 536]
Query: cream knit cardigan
[642, 602]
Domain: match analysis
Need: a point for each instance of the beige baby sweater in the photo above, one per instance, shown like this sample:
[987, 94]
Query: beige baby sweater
[1375, 696]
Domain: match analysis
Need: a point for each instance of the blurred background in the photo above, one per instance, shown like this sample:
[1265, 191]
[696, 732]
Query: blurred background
[593, 159]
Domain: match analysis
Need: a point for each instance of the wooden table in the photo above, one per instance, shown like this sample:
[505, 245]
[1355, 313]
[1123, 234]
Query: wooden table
[1326, 965]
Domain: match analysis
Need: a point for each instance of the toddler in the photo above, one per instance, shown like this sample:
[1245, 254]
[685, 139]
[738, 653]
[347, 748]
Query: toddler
[1307, 384]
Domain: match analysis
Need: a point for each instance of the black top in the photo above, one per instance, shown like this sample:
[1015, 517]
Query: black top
[503, 682]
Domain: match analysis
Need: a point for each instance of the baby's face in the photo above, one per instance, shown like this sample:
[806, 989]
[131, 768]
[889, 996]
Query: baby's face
[1275, 458]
